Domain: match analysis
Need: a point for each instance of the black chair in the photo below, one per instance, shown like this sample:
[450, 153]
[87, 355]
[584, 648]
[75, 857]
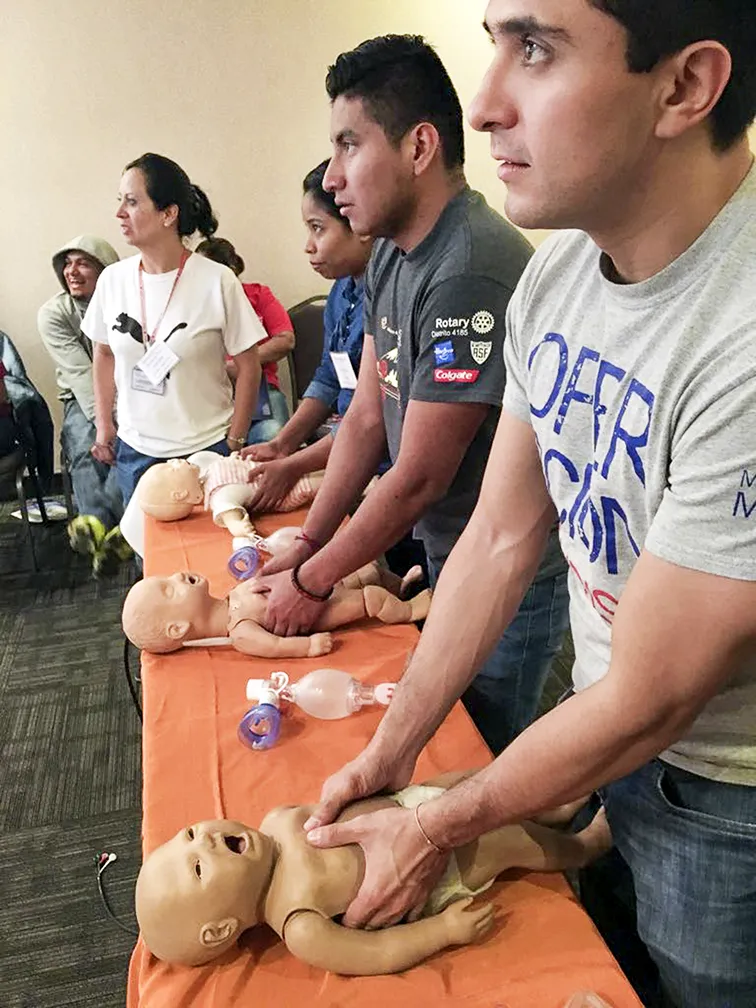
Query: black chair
[31, 415]
[307, 319]
[16, 467]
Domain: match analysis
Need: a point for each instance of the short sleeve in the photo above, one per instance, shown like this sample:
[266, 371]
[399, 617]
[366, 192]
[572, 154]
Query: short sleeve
[460, 339]
[707, 518]
[515, 393]
[243, 329]
[93, 324]
[272, 313]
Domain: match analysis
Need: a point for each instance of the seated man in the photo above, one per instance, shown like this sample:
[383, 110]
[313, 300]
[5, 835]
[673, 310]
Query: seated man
[95, 530]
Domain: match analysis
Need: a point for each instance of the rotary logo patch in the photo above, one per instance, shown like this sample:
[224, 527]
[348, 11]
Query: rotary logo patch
[483, 322]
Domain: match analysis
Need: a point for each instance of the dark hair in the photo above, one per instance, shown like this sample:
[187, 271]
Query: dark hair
[402, 82]
[167, 184]
[221, 251]
[313, 184]
[665, 27]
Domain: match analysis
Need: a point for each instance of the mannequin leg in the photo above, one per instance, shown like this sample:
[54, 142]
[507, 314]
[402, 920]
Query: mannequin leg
[389, 609]
[376, 574]
[237, 522]
[370, 574]
[534, 847]
[347, 605]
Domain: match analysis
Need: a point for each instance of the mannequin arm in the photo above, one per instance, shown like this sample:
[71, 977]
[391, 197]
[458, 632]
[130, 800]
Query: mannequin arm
[327, 945]
[252, 639]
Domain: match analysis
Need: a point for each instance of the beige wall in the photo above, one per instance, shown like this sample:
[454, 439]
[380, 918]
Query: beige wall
[232, 89]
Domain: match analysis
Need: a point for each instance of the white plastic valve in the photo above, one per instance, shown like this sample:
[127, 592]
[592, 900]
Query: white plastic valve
[325, 693]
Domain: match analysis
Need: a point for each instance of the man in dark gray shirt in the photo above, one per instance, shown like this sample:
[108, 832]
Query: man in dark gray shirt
[432, 374]
[436, 315]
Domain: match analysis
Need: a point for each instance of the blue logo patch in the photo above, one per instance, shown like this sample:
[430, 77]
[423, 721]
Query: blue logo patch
[444, 353]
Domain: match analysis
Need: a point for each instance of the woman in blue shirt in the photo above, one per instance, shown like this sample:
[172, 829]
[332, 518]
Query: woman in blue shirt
[336, 253]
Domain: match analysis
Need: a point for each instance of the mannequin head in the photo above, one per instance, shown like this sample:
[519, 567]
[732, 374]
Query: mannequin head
[198, 892]
[169, 490]
[160, 613]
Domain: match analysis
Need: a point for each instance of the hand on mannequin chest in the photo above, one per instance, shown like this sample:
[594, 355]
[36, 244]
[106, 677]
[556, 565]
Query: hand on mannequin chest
[170, 490]
[161, 614]
[273, 875]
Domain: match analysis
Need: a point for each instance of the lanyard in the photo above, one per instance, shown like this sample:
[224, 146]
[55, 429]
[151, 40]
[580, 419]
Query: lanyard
[145, 335]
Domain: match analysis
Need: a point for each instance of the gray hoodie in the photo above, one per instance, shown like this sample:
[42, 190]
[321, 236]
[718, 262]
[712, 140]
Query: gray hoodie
[59, 324]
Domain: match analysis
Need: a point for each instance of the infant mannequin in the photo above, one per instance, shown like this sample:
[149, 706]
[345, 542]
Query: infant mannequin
[197, 893]
[160, 614]
[169, 490]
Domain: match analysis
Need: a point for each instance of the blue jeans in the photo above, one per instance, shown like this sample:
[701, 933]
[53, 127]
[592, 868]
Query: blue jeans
[131, 465]
[95, 485]
[261, 431]
[503, 698]
[690, 845]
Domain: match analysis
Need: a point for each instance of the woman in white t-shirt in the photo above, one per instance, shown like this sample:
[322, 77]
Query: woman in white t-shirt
[162, 324]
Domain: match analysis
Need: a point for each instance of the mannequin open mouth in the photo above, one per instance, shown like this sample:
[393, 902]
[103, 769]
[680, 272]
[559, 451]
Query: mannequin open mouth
[236, 844]
[194, 579]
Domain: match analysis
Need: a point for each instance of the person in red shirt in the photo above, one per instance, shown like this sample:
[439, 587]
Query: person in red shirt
[280, 342]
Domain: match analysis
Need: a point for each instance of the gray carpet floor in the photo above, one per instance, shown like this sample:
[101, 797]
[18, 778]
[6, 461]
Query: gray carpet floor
[69, 776]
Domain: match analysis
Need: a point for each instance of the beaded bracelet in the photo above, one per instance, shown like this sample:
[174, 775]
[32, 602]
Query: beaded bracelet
[425, 835]
[312, 543]
[236, 440]
[304, 592]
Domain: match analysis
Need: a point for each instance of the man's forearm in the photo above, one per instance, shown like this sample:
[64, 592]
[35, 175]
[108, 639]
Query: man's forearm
[355, 456]
[311, 459]
[388, 512]
[275, 348]
[594, 737]
[480, 589]
[308, 416]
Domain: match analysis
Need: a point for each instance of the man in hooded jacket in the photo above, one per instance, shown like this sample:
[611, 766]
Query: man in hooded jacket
[94, 531]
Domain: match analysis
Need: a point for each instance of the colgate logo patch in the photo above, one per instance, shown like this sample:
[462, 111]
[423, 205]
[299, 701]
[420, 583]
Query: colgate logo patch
[460, 375]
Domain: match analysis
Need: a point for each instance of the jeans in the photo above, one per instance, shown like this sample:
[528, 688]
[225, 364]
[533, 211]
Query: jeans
[503, 698]
[690, 845]
[131, 465]
[95, 484]
[265, 430]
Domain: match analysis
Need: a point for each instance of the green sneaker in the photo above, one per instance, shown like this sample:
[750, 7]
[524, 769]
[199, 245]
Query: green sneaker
[86, 534]
[113, 551]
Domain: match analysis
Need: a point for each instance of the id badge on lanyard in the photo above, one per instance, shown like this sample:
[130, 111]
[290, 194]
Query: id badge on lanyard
[151, 372]
[344, 370]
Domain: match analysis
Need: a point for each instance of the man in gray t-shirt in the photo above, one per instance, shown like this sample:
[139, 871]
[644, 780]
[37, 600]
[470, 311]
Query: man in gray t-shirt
[436, 314]
[432, 373]
[630, 414]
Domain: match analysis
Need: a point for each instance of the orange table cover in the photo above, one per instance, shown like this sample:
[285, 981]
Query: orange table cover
[544, 948]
